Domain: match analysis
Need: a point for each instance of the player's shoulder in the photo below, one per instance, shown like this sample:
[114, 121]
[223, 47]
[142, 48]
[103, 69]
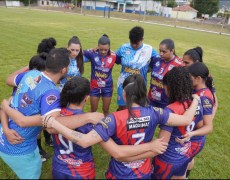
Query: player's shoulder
[178, 61]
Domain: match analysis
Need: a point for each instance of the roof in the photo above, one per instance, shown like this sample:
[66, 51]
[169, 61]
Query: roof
[184, 7]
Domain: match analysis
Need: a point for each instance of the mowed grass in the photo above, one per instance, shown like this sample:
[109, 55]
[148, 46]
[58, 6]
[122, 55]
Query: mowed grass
[22, 29]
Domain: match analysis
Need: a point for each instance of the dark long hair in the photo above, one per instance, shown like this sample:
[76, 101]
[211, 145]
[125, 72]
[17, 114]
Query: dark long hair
[179, 85]
[196, 54]
[46, 45]
[200, 69]
[74, 91]
[135, 89]
[169, 43]
[79, 58]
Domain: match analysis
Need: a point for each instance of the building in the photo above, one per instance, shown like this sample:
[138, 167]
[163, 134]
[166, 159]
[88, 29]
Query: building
[185, 12]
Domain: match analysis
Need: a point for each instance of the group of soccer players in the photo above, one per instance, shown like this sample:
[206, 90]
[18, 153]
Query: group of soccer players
[181, 99]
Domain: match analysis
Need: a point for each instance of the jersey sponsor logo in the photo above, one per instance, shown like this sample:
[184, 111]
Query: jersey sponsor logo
[32, 83]
[160, 110]
[105, 122]
[184, 149]
[102, 69]
[137, 123]
[207, 104]
[74, 162]
[51, 99]
[134, 164]
[101, 75]
[156, 75]
[170, 67]
[197, 110]
[132, 71]
[154, 82]
[25, 101]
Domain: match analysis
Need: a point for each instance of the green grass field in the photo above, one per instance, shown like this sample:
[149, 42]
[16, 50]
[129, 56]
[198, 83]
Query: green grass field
[22, 29]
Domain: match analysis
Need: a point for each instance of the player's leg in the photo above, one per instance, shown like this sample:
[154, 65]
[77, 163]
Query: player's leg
[25, 166]
[120, 99]
[190, 167]
[94, 99]
[106, 99]
[94, 103]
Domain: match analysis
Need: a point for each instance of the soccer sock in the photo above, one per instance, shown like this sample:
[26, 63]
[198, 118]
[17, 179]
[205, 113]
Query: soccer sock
[187, 173]
[46, 135]
[39, 145]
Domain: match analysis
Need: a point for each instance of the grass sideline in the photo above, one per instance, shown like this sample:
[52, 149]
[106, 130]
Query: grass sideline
[22, 30]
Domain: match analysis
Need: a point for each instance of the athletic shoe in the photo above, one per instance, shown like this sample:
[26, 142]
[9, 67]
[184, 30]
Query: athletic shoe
[44, 155]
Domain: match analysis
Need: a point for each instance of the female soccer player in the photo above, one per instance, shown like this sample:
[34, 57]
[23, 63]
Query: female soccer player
[134, 58]
[132, 126]
[101, 85]
[202, 84]
[196, 55]
[160, 66]
[191, 56]
[173, 163]
[76, 67]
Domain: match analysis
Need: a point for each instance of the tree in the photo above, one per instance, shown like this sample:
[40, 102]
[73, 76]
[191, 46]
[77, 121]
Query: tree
[205, 7]
[172, 3]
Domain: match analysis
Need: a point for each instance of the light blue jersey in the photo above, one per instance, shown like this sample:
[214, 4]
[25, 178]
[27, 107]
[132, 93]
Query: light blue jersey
[36, 94]
[73, 70]
[133, 61]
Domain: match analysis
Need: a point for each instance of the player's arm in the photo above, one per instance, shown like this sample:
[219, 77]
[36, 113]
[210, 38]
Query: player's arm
[12, 136]
[11, 78]
[121, 152]
[79, 120]
[19, 118]
[83, 140]
[215, 105]
[187, 117]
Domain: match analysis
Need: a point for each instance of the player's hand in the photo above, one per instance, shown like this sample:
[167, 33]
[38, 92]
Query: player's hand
[95, 117]
[185, 138]
[51, 130]
[159, 146]
[5, 104]
[93, 49]
[13, 137]
[195, 96]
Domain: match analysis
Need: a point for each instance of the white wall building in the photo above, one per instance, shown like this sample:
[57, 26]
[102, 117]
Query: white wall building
[185, 12]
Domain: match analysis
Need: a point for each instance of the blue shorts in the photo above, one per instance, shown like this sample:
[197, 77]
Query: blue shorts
[26, 166]
[120, 98]
[165, 170]
[104, 92]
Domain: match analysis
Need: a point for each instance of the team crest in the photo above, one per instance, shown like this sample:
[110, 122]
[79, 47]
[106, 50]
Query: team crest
[206, 101]
[25, 101]
[157, 64]
[96, 59]
[51, 99]
[143, 53]
[170, 67]
[109, 60]
[127, 52]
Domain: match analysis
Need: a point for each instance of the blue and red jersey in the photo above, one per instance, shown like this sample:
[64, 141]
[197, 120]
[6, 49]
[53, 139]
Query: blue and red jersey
[159, 68]
[131, 131]
[70, 158]
[101, 69]
[175, 159]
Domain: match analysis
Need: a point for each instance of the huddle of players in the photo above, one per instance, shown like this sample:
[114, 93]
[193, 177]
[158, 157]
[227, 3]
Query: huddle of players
[171, 88]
